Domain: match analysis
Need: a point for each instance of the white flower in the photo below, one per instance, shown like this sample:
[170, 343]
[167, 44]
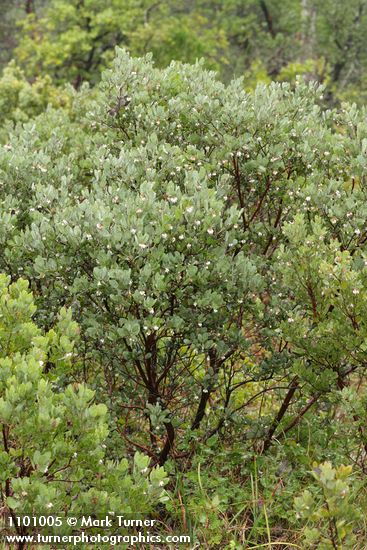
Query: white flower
[99, 226]
[189, 209]
[173, 199]
[210, 231]
[161, 483]
[357, 232]
[49, 505]
[308, 199]
[181, 237]
[355, 291]
[290, 320]
[142, 245]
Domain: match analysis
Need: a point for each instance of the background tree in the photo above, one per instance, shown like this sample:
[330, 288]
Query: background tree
[73, 41]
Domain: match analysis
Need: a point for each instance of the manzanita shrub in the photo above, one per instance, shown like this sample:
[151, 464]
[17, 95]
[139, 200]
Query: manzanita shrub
[52, 452]
[210, 243]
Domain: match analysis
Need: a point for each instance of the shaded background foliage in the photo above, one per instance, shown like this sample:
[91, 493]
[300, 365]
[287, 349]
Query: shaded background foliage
[263, 39]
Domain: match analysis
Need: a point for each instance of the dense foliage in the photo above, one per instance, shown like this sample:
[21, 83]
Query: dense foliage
[53, 437]
[185, 267]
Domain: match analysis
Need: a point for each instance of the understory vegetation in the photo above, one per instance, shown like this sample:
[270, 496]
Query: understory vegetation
[183, 328]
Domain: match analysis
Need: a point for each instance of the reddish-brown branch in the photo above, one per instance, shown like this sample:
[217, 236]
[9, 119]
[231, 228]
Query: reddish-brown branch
[260, 201]
[299, 416]
[282, 411]
[239, 191]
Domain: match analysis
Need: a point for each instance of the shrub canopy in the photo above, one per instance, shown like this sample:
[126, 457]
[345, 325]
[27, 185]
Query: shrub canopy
[207, 241]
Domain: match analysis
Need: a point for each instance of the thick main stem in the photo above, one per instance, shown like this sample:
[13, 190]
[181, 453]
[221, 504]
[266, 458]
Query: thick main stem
[282, 411]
